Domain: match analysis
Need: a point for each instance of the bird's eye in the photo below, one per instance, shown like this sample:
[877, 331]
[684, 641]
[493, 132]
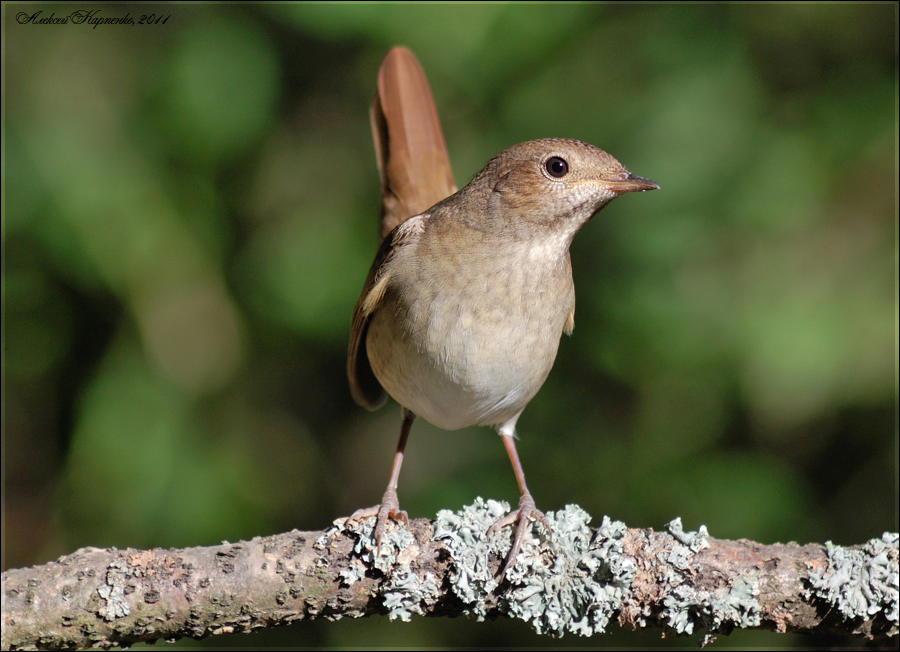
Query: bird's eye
[556, 167]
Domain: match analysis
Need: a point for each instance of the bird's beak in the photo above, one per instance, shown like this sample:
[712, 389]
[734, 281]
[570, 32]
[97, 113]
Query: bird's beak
[631, 183]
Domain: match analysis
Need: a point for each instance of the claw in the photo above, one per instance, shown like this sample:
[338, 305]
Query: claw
[389, 508]
[527, 509]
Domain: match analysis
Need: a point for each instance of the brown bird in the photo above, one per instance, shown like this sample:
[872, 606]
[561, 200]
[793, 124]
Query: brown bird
[462, 312]
[461, 315]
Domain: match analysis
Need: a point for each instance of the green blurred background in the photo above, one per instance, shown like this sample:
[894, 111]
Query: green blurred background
[191, 209]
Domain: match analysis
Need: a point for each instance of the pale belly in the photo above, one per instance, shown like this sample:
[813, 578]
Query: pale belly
[456, 366]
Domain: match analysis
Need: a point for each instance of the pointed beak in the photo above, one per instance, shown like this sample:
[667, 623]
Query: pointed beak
[632, 183]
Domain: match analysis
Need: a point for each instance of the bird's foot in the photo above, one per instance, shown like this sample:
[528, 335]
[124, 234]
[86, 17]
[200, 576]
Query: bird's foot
[521, 516]
[389, 508]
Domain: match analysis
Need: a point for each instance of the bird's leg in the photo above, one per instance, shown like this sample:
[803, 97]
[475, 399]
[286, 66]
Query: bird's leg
[390, 506]
[527, 508]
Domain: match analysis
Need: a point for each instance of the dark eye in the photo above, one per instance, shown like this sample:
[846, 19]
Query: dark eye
[556, 167]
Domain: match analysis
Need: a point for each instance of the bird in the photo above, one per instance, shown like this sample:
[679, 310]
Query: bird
[464, 306]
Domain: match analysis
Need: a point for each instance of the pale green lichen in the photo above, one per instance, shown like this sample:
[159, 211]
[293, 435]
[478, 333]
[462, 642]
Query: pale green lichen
[687, 607]
[738, 604]
[328, 535]
[355, 572]
[862, 583]
[574, 584]
[404, 593]
[407, 594]
[681, 609]
[114, 591]
[693, 541]
[395, 540]
[464, 534]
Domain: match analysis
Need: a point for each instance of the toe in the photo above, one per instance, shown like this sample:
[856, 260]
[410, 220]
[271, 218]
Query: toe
[522, 518]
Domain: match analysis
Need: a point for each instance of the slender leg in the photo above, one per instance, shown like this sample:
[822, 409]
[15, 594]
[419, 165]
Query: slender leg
[527, 509]
[390, 505]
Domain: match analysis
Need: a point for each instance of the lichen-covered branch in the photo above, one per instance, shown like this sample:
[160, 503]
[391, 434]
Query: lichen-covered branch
[579, 583]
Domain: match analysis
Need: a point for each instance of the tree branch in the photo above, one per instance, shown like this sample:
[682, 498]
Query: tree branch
[683, 582]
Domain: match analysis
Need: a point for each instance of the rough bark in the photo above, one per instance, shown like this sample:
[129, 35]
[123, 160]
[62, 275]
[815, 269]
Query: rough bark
[105, 597]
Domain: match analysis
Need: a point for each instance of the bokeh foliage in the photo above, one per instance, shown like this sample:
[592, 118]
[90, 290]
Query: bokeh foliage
[190, 212]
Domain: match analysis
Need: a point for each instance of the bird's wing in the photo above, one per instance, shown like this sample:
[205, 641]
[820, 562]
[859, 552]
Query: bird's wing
[364, 386]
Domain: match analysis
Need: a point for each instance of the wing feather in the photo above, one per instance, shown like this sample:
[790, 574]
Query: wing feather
[364, 386]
